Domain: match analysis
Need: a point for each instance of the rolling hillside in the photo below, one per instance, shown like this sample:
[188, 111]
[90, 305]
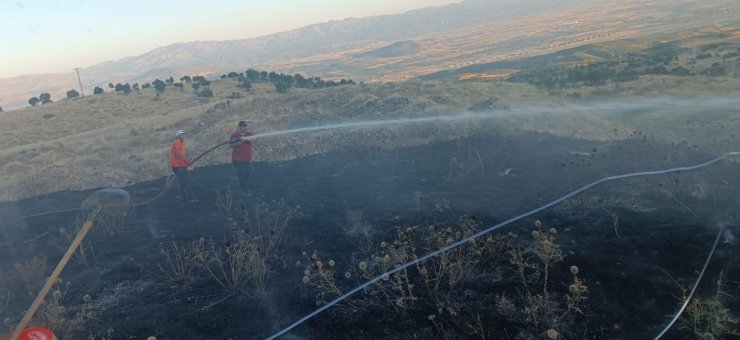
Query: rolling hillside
[688, 46]
[449, 37]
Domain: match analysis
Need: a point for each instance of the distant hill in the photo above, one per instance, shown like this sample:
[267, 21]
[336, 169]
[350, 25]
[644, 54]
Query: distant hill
[569, 56]
[615, 52]
[206, 57]
[327, 37]
[398, 49]
[419, 42]
[115, 139]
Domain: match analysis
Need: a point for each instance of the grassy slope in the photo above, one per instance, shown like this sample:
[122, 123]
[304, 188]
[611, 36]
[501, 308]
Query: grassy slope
[598, 52]
[113, 140]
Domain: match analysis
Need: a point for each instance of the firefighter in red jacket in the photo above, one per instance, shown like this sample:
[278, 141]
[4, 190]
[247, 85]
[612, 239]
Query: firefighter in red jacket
[179, 164]
[241, 155]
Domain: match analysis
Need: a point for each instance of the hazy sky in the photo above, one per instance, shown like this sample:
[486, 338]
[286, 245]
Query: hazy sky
[44, 36]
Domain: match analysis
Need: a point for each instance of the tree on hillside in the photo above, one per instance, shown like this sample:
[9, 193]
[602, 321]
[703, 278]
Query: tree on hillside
[302, 82]
[169, 81]
[233, 75]
[716, 70]
[45, 98]
[159, 86]
[680, 71]
[205, 92]
[199, 79]
[598, 75]
[281, 87]
[111, 85]
[186, 79]
[123, 88]
[253, 74]
[135, 87]
[318, 83]
[287, 79]
[660, 69]
[97, 90]
[245, 84]
[72, 94]
[1, 109]
[626, 75]
[33, 101]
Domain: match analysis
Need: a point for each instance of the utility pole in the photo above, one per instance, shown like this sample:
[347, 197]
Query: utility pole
[77, 69]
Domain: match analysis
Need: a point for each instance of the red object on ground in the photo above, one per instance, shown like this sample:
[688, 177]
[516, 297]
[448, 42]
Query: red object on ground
[37, 333]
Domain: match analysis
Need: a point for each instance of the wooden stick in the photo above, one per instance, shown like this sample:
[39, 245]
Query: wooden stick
[57, 271]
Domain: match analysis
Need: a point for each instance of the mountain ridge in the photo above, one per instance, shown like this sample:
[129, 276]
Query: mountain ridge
[452, 36]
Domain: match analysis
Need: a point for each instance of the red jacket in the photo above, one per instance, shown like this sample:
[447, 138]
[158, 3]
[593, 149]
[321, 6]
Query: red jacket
[178, 158]
[243, 151]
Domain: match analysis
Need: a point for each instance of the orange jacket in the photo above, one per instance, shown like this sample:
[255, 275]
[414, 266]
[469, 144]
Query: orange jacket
[178, 158]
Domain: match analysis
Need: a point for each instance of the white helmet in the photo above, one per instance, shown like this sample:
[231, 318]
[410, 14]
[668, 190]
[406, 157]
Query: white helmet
[180, 132]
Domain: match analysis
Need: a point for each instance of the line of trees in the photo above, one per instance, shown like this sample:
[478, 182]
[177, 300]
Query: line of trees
[201, 85]
[283, 82]
[623, 69]
[158, 85]
[594, 74]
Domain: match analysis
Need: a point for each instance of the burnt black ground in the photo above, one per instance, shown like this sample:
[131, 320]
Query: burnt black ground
[667, 225]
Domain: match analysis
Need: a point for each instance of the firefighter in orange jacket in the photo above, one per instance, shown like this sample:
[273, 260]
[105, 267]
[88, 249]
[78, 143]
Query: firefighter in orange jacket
[179, 164]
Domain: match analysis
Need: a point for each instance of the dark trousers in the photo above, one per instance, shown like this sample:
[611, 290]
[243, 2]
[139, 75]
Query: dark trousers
[243, 169]
[184, 182]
